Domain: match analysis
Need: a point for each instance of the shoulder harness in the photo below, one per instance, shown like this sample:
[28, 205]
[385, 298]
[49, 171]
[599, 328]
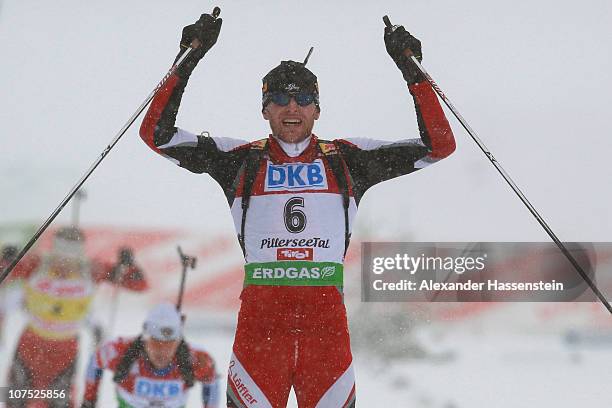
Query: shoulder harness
[136, 350]
[259, 149]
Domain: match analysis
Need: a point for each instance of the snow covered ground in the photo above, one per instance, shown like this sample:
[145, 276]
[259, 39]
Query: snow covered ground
[514, 355]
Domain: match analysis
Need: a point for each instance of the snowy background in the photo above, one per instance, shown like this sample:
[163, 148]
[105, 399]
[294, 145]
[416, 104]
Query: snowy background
[531, 77]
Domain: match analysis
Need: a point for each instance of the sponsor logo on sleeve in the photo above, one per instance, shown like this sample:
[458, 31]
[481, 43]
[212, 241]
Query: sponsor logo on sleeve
[296, 176]
[327, 147]
[259, 144]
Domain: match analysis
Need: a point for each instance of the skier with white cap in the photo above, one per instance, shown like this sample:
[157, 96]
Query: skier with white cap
[156, 368]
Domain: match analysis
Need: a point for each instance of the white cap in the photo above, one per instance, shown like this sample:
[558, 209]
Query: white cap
[163, 323]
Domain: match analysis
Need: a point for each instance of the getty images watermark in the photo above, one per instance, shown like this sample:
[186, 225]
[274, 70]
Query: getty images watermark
[477, 272]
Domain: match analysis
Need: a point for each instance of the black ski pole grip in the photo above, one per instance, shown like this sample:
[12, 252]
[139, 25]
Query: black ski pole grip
[389, 25]
[216, 12]
[387, 21]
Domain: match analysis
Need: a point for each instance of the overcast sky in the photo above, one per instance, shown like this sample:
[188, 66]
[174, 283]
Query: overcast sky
[531, 77]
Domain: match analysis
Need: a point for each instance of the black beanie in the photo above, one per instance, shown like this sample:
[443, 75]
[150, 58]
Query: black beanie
[292, 78]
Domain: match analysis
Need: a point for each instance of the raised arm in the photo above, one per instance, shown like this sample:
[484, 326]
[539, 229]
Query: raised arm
[125, 272]
[372, 161]
[219, 157]
[434, 129]
[158, 127]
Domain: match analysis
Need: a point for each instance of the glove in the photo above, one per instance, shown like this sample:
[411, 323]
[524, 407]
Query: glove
[126, 257]
[397, 40]
[206, 31]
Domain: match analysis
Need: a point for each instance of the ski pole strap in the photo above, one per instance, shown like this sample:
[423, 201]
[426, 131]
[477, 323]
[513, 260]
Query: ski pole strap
[336, 163]
[294, 273]
[251, 166]
[185, 365]
[133, 352]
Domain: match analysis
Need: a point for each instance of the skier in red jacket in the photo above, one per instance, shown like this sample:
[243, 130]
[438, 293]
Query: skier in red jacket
[58, 289]
[294, 197]
[155, 369]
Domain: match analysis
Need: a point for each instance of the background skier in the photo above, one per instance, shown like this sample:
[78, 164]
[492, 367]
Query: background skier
[155, 369]
[58, 289]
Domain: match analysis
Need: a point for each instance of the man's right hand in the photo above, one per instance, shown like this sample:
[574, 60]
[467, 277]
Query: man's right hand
[201, 36]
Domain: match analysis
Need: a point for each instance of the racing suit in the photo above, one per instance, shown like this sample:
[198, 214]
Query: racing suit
[146, 386]
[57, 307]
[293, 208]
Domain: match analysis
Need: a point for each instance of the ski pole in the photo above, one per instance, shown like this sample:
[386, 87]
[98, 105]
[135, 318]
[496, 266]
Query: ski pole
[118, 274]
[182, 56]
[188, 262]
[79, 196]
[506, 176]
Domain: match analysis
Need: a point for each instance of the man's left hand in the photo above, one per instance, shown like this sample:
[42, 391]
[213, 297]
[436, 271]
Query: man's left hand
[400, 45]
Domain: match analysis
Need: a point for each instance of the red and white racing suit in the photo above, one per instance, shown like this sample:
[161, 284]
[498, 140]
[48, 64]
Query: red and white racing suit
[57, 307]
[293, 208]
[146, 386]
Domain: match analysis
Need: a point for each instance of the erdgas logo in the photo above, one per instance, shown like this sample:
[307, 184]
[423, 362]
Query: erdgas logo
[296, 176]
[328, 271]
[294, 273]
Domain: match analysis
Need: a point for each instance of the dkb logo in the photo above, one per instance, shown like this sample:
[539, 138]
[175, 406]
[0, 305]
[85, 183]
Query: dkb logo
[296, 176]
[157, 389]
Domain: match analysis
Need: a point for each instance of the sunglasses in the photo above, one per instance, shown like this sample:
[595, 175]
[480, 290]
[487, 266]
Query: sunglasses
[283, 99]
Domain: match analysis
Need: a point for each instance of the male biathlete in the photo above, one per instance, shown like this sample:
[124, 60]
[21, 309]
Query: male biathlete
[59, 287]
[155, 369]
[293, 198]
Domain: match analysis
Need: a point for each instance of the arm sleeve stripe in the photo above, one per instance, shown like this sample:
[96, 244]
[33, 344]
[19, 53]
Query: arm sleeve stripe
[227, 144]
[440, 133]
[147, 129]
[181, 139]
